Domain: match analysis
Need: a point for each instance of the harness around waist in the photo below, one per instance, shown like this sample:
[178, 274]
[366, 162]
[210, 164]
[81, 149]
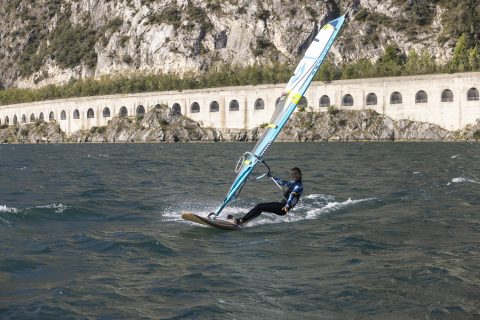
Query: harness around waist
[296, 196]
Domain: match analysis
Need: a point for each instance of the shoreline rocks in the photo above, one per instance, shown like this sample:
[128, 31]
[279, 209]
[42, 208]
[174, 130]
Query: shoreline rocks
[163, 125]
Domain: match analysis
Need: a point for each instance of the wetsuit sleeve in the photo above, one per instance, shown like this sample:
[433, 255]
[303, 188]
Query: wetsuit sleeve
[297, 191]
[282, 182]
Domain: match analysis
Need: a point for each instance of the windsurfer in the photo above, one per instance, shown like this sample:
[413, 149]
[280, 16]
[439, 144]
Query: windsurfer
[291, 197]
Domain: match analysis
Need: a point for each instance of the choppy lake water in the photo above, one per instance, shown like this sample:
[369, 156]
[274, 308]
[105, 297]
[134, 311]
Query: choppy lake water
[385, 231]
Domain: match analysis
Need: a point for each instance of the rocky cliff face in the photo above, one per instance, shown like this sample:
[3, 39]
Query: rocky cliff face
[345, 125]
[162, 125]
[39, 132]
[53, 41]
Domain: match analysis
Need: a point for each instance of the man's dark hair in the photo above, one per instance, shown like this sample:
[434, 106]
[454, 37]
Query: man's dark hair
[297, 169]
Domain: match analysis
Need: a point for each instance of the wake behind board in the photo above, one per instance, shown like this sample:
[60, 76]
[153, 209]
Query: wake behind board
[217, 223]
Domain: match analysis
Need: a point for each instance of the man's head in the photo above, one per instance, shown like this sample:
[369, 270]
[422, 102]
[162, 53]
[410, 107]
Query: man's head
[296, 173]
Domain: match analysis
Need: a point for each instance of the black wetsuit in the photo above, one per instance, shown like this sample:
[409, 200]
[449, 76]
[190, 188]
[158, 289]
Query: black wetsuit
[291, 196]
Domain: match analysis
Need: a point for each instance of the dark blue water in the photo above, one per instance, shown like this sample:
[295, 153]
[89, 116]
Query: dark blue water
[385, 231]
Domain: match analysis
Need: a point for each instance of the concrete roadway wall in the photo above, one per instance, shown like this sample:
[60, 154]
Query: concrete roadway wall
[451, 115]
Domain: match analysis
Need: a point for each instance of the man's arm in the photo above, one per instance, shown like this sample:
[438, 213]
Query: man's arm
[296, 192]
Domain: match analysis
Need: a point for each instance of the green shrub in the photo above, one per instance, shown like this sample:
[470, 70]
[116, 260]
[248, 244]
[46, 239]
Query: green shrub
[332, 110]
[476, 135]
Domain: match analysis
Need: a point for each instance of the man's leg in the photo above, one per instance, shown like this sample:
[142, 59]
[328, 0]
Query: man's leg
[272, 207]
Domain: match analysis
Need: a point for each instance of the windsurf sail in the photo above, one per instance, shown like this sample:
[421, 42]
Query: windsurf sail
[294, 91]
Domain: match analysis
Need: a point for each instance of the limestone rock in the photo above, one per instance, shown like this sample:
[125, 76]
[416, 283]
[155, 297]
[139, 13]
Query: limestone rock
[163, 36]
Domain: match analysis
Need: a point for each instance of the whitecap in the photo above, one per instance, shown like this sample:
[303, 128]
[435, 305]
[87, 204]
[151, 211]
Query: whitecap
[5, 221]
[269, 218]
[332, 207]
[59, 208]
[4, 208]
[461, 180]
[318, 196]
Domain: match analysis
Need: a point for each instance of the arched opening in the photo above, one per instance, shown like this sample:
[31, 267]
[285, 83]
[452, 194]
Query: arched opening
[123, 112]
[90, 114]
[51, 116]
[140, 110]
[259, 104]
[324, 101]
[195, 108]
[234, 105]
[76, 114]
[7, 121]
[347, 100]
[472, 94]
[24, 118]
[177, 109]
[214, 106]
[280, 100]
[371, 99]
[447, 95]
[421, 97]
[40, 117]
[15, 121]
[396, 98]
[302, 104]
[63, 115]
[277, 101]
[32, 118]
[106, 112]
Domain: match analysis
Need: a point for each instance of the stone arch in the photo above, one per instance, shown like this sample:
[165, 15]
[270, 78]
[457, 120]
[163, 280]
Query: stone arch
[7, 121]
[396, 98]
[106, 112]
[421, 97]
[32, 118]
[472, 94]
[277, 101]
[140, 110]
[90, 114]
[347, 100]
[51, 116]
[371, 99]
[15, 121]
[195, 108]
[41, 117]
[123, 112]
[177, 109]
[324, 101]
[447, 95]
[303, 103]
[259, 104]
[234, 105]
[280, 99]
[214, 106]
[24, 118]
[63, 115]
[76, 114]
